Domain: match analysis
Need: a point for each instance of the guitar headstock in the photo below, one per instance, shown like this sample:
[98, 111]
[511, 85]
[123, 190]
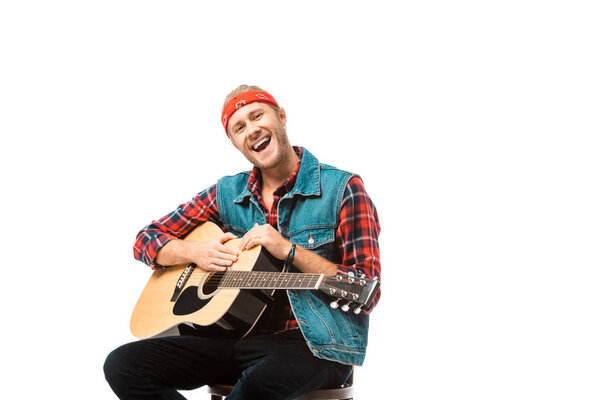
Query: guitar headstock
[350, 290]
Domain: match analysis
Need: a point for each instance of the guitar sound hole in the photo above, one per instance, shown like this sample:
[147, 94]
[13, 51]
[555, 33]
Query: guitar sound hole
[212, 283]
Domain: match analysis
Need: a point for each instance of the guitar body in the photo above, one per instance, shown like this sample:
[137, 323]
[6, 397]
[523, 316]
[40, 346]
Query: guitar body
[187, 297]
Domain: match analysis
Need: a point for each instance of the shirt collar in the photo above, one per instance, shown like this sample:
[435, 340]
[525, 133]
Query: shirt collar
[255, 179]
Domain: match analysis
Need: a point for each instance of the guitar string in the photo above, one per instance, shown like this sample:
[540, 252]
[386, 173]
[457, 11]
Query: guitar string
[261, 278]
[265, 279]
[251, 278]
[259, 274]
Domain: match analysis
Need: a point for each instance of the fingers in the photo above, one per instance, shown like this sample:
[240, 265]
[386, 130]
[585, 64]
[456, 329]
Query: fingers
[255, 238]
[267, 236]
[227, 237]
[214, 255]
[224, 255]
[243, 243]
[249, 243]
[249, 240]
[227, 250]
[218, 265]
[219, 262]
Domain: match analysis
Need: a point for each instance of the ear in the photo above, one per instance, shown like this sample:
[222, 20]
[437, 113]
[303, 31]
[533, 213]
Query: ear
[282, 116]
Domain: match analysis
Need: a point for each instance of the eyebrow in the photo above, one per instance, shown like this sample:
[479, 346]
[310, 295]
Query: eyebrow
[259, 109]
[251, 114]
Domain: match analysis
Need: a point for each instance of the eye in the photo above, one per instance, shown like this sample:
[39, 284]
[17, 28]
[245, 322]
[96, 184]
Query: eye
[258, 115]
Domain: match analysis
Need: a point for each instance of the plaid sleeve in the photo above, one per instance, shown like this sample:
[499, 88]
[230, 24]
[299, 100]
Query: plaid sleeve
[177, 224]
[357, 234]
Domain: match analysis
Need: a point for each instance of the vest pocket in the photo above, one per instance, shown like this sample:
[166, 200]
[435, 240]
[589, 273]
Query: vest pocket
[313, 238]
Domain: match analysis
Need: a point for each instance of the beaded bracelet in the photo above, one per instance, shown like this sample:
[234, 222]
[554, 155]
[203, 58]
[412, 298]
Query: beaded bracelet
[290, 257]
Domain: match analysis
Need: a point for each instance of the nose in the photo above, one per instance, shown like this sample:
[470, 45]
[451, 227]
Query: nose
[253, 129]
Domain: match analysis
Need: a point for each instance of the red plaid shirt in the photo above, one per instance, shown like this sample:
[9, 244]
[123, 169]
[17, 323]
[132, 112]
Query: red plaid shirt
[356, 236]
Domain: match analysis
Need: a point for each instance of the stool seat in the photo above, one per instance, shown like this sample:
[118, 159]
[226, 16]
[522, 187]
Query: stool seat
[344, 392]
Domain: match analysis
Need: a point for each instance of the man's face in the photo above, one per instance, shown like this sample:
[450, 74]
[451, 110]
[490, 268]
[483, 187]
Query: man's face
[257, 131]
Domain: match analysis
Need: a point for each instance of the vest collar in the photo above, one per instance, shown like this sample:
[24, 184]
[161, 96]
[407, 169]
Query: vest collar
[308, 182]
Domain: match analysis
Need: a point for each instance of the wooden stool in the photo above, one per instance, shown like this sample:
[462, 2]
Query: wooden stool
[344, 392]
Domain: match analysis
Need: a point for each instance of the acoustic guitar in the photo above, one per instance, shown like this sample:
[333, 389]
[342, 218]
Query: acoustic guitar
[228, 304]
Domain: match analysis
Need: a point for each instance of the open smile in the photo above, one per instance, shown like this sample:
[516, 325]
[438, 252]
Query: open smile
[262, 144]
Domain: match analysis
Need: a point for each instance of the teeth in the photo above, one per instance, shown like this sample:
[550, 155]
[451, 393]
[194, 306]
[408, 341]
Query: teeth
[257, 145]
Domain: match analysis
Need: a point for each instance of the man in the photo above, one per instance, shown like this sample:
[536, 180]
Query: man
[314, 214]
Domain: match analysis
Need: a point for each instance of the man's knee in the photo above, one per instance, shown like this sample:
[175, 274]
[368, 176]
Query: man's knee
[117, 366]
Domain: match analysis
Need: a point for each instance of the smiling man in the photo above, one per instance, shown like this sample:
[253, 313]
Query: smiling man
[316, 216]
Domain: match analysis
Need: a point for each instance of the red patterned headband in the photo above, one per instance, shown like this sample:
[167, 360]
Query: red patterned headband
[243, 99]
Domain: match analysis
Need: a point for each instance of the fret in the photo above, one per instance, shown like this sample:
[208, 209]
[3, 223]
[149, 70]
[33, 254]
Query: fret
[249, 278]
[279, 280]
[273, 280]
[285, 281]
[225, 279]
[256, 280]
[234, 279]
[291, 281]
[300, 282]
[264, 280]
[228, 279]
[244, 279]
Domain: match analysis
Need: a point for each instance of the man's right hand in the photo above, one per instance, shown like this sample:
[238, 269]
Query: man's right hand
[211, 255]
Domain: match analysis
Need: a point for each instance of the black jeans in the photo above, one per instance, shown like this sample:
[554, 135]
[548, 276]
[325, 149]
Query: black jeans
[261, 367]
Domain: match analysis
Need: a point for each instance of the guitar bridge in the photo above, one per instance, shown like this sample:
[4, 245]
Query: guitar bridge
[185, 275]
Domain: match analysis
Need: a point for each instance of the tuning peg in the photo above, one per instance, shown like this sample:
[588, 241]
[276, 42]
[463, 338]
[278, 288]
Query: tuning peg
[346, 307]
[335, 304]
[350, 277]
[357, 310]
[362, 280]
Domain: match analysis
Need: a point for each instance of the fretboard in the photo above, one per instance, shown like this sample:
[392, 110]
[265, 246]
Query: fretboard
[270, 280]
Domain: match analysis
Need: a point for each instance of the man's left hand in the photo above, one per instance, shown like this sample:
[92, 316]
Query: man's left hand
[269, 238]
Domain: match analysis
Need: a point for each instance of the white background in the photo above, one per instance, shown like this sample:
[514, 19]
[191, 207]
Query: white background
[473, 124]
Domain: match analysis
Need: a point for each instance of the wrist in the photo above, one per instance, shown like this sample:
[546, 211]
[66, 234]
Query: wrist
[185, 250]
[290, 256]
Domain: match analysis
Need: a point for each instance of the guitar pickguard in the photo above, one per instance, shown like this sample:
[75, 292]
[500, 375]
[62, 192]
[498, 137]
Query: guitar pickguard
[188, 302]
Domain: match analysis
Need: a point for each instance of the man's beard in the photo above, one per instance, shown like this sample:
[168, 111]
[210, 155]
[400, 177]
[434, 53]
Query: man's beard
[283, 144]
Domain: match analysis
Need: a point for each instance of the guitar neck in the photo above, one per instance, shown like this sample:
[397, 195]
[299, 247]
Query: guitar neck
[269, 280]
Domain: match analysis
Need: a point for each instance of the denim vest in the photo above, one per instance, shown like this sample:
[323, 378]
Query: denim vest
[308, 216]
